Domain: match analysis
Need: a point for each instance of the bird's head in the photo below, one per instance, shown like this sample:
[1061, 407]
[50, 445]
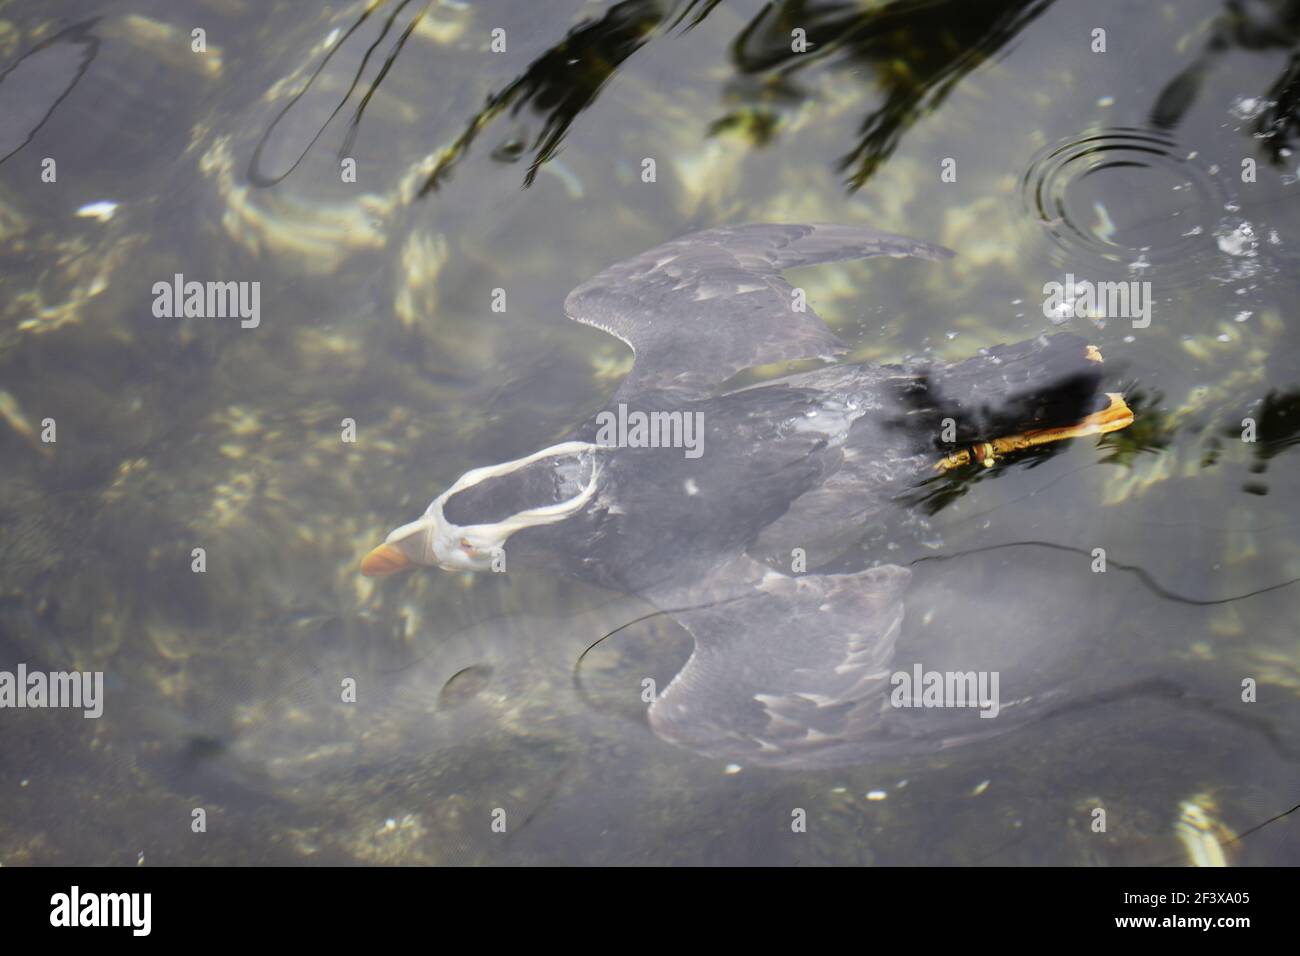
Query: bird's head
[467, 526]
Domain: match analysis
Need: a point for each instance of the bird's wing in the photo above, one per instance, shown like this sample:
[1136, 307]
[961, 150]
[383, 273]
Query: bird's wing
[701, 308]
[787, 671]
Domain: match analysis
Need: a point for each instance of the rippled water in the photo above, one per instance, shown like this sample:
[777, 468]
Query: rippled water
[522, 170]
[1075, 190]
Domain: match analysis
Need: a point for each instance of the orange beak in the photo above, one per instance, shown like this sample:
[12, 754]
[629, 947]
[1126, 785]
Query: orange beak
[384, 560]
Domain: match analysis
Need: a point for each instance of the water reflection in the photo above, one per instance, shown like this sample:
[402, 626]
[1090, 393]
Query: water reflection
[893, 49]
[561, 83]
[272, 160]
[911, 53]
[1277, 423]
[32, 88]
[1256, 26]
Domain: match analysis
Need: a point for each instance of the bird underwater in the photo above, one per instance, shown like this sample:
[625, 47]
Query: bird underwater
[789, 669]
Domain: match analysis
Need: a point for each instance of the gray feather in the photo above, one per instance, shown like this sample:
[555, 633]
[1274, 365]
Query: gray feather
[787, 671]
[701, 308]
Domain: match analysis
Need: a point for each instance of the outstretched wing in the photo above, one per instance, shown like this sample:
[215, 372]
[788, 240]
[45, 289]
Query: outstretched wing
[701, 308]
[787, 671]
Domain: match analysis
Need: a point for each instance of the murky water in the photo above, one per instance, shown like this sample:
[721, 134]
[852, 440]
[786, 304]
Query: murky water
[523, 170]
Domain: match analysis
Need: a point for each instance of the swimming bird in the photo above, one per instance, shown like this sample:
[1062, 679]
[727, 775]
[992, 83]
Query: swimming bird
[791, 666]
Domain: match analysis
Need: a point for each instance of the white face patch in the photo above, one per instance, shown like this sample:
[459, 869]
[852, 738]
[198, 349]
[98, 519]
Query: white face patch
[456, 547]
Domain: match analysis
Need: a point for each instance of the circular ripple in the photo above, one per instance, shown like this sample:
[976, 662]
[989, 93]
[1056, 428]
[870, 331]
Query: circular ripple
[1124, 198]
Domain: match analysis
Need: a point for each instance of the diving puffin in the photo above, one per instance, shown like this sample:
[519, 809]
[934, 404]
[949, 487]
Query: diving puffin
[789, 669]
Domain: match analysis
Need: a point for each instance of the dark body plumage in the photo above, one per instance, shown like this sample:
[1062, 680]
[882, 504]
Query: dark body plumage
[798, 462]
[661, 518]
[789, 669]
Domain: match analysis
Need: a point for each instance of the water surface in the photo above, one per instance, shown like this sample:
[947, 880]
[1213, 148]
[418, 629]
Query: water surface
[522, 170]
